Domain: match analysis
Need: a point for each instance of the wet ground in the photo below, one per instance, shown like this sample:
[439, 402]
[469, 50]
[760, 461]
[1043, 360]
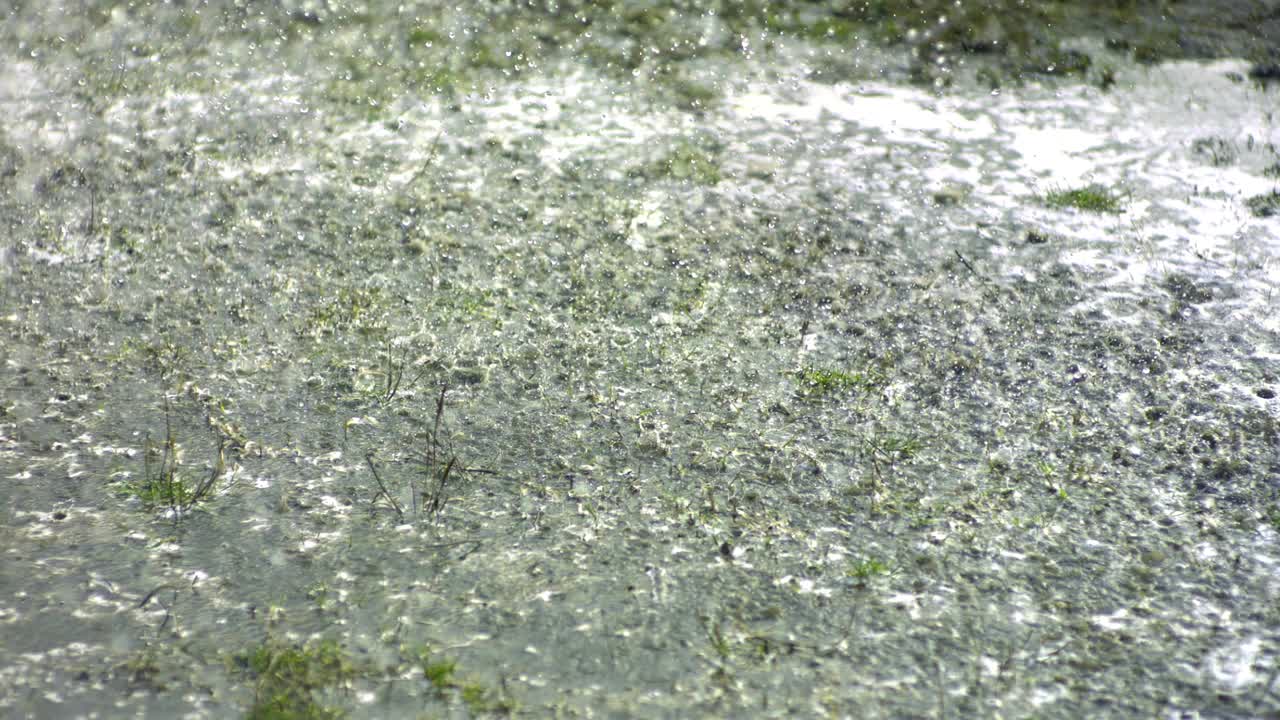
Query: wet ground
[395, 362]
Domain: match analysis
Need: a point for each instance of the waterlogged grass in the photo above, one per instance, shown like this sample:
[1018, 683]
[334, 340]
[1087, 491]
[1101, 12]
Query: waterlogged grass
[290, 681]
[166, 483]
[442, 673]
[691, 161]
[863, 570]
[1090, 198]
[286, 677]
[818, 382]
[1265, 205]
[485, 412]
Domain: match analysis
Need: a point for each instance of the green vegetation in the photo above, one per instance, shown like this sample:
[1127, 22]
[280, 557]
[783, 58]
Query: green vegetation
[1272, 517]
[1090, 198]
[440, 674]
[1215, 151]
[147, 668]
[718, 640]
[393, 371]
[865, 569]
[1155, 45]
[347, 308]
[287, 676]
[478, 698]
[691, 94]
[663, 448]
[885, 449]
[688, 161]
[164, 482]
[1265, 205]
[816, 382]
[439, 465]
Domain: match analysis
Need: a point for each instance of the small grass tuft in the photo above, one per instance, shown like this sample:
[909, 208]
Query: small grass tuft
[891, 447]
[884, 450]
[440, 468]
[287, 675]
[164, 483]
[438, 461]
[442, 674]
[687, 161]
[1265, 205]
[718, 640]
[1273, 517]
[865, 569]
[820, 382]
[1090, 198]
